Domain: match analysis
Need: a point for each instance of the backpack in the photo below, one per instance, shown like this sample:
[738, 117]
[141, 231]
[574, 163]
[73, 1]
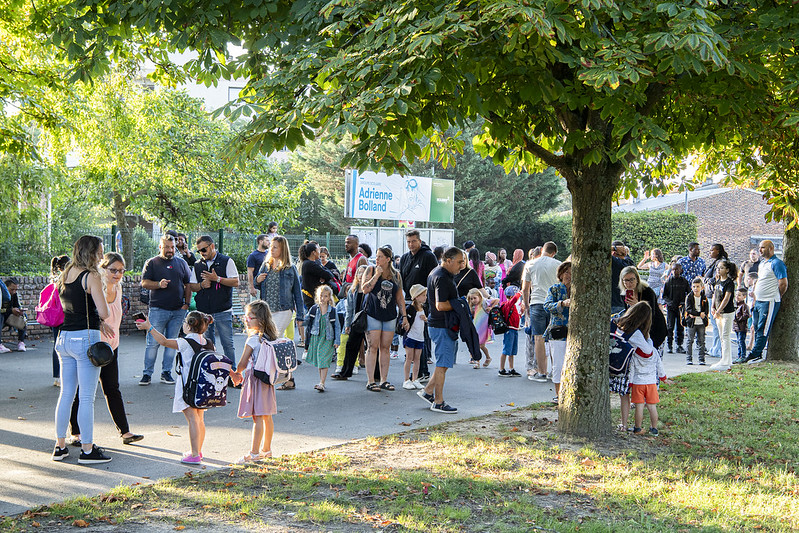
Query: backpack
[497, 321]
[621, 351]
[144, 296]
[275, 362]
[49, 311]
[207, 378]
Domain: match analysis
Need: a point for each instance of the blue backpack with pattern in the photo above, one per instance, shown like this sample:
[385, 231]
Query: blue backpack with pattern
[205, 383]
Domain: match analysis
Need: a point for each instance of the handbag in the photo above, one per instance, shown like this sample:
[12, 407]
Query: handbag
[99, 353]
[359, 320]
[558, 333]
[16, 321]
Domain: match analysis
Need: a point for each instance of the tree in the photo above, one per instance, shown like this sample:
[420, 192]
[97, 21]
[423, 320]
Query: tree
[587, 87]
[158, 155]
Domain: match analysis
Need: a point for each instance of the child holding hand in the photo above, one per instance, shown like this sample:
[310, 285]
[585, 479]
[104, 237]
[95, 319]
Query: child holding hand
[257, 399]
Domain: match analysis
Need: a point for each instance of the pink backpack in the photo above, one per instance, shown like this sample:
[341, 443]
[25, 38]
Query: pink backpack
[49, 311]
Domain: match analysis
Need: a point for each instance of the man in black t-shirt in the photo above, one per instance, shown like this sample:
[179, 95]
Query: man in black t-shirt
[440, 290]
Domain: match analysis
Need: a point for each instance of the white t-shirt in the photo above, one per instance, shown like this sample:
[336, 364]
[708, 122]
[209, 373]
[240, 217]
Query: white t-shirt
[417, 328]
[543, 274]
[230, 272]
[769, 273]
[186, 354]
[527, 266]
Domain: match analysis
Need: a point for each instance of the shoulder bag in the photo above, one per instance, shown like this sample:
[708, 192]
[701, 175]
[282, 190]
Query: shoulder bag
[99, 353]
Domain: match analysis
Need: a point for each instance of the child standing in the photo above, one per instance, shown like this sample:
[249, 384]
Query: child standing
[257, 399]
[741, 322]
[480, 306]
[674, 292]
[414, 337]
[696, 311]
[323, 333]
[510, 340]
[646, 366]
[193, 343]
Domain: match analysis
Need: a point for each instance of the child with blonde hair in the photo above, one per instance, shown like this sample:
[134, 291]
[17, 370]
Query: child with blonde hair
[257, 399]
[414, 337]
[322, 332]
[480, 305]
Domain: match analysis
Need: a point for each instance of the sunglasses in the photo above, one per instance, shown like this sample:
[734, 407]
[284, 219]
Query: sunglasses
[202, 250]
[116, 270]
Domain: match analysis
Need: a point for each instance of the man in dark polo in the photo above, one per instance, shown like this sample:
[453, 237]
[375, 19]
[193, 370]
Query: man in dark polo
[213, 277]
[166, 277]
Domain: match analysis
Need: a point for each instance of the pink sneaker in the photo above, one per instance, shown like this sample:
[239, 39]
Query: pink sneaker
[190, 459]
[3, 349]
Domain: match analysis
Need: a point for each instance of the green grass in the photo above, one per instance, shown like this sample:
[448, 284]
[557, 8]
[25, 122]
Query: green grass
[726, 461]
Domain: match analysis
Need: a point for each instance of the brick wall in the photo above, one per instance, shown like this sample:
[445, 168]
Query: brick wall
[30, 287]
[730, 218]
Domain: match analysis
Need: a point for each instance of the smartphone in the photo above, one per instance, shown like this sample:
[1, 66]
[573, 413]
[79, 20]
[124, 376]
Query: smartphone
[629, 294]
[139, 317]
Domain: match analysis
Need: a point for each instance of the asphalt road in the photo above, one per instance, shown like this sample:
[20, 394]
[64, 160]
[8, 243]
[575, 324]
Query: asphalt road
[306, 420]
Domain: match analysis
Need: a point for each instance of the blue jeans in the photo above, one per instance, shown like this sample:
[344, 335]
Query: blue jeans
[510, 342]
[445, 347]
[763, 314]
[715, 348]
[168, 323]
[76, 370]
[223, 323]
[741, 344]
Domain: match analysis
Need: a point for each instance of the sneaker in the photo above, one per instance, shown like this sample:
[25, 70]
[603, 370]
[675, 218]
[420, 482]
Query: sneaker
[637, 431]
[145, 380]
[540, 378]
[190, 459]
[689, 362]
[555, 401]
[166, 377]
[669, 350]
[394, 355]
[429, 398]
[338, 370]
[355, 371]
[3, 349]
[21, 347]
[549, 376]
[57, 382]
[424, 378]
[94, 457]
[408, 385]
[60, 453]
[417, 384]
[739, 361]
[702, 362]
[654, 432]
[503, 373]
[443, 408]
[680, 349]
[512, 373]
[754, 361]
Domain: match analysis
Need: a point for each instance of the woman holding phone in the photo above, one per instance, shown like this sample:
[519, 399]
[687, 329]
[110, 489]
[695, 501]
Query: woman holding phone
[633, 290]
[113, 267]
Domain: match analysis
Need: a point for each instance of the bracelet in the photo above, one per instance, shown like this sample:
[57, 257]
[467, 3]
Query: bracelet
[151, 328]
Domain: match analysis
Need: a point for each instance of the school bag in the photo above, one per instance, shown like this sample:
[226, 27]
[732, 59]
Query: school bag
[206, 380]
[49, 311]
[621, 351]
[275, 362]
[498, 321]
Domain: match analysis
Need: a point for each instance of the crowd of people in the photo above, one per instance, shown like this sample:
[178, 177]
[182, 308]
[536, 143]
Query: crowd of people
[353, 319]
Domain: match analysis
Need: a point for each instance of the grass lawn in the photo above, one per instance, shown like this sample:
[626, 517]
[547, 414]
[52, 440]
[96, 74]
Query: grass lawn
[725, 460]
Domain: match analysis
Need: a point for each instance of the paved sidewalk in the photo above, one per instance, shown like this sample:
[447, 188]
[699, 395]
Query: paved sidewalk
[306, 420]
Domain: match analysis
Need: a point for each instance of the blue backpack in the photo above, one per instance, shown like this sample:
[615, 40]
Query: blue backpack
[621, 351]
[206, 381]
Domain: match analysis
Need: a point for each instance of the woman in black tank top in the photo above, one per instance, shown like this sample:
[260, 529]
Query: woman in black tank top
[81, 290]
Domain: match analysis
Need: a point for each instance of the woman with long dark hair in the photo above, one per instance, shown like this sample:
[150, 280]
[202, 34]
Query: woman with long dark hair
[57, 265]
[85, 310]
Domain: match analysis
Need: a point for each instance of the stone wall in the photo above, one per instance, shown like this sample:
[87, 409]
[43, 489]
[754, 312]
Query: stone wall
[30, 287]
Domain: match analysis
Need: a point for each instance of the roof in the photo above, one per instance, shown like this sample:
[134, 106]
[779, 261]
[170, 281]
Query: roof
[672, 199]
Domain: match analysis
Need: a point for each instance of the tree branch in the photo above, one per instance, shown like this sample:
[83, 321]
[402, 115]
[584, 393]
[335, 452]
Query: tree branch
[557, 161]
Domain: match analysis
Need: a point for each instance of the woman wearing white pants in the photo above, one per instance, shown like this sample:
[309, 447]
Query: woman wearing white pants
[724, 310]
[557, 304]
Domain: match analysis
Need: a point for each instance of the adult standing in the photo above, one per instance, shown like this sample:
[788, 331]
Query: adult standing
[57, 266]
[772, 282]
[692, 265]
[415, 267]
[503, 262]
[750, 265]
[356, 257]
[182, 246]
[312, 274]
[557, 305]
[382, 286]
[167, 278]
[723, 310]
[717, 254]
[85, 310]
[533, 254]
[254, 262]
[467, 279]
[514, 274]
[655, 263]
[441, 291]
[278, 283]
[213, 279]
[541, 275]
[113, 267]
[635, 290]
[619, 260]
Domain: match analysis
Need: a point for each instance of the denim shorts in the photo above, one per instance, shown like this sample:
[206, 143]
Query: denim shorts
[539, 319]
[373, 324]
[445, 347]
[413, 344]
[510, 342]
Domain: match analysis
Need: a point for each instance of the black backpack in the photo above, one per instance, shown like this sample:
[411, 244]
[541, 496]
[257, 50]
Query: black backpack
[207, 378]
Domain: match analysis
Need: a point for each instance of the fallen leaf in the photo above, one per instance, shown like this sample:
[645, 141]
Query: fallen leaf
[21, 418]
[35, 524]
[136, 505]
[12, 397]
[180, 528]
[80, 523]
[587, 462]
[515, 428]
[512, 404]
[230, 484]
[405, 424]
[172, 434]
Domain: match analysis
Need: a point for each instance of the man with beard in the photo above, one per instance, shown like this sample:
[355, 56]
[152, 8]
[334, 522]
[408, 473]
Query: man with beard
[356, 257]
[167, 279]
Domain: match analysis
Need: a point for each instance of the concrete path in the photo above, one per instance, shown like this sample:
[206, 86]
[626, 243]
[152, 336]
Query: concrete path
[307, 420]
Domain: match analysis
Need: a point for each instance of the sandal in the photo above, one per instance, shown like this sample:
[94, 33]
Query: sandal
[249, 458]
[487, 362]
[373, 387]
[319, 387]
[386, 386]
[265, 455]
[289, 385]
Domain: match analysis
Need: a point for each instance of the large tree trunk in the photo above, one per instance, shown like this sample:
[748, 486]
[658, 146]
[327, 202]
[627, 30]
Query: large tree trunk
[120, 209]
[584, 393]
[783, 343]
